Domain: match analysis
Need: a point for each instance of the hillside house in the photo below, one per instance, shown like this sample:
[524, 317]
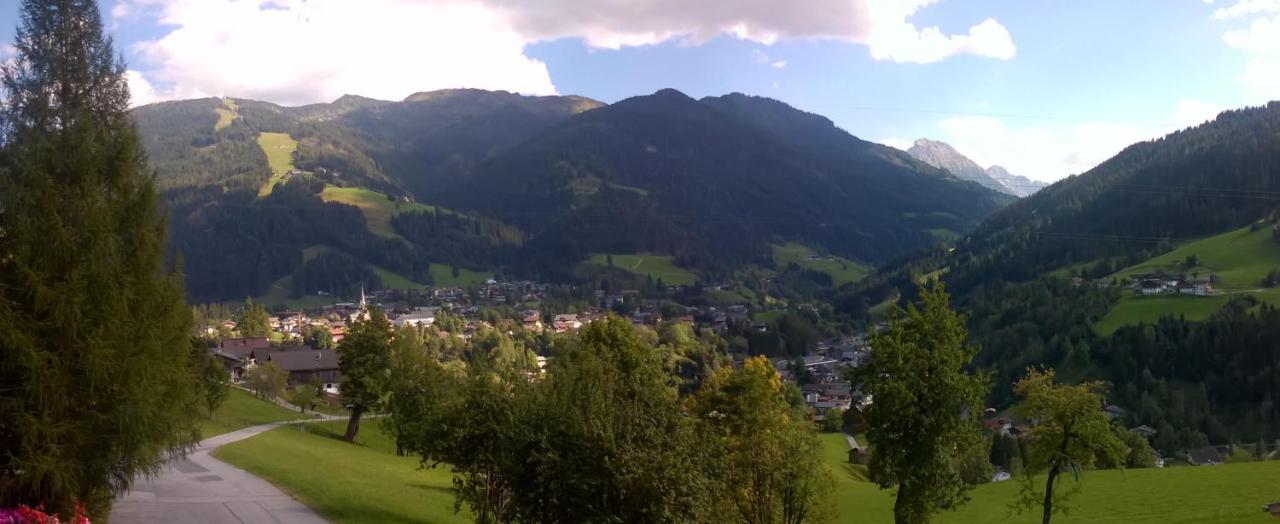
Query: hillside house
[304, 365]
[565, 323]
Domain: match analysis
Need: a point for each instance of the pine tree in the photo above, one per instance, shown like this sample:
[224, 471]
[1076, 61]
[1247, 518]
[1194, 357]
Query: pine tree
[97, 384]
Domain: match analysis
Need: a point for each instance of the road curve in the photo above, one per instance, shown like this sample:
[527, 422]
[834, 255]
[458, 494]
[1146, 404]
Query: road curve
[202, 489]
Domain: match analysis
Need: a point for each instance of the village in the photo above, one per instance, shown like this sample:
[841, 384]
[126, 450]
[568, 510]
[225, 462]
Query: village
[822, 374]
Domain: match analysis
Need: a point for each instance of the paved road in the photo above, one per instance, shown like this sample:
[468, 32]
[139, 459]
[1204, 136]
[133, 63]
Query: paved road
[201, 489]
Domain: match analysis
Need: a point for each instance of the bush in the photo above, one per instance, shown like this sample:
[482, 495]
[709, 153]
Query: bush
[833, 422]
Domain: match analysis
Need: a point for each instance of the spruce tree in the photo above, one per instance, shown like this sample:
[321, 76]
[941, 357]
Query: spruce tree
[96, 378]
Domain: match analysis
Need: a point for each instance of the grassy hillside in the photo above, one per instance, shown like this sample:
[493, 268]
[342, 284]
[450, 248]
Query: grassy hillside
[368, 483]
[393, 280]
[226, 114]
[656, 266]
[241, 410]
[1241, 258]
[377, 208]
[279, 148]
[842, 271]
[442, 276]
[361, 483]
[279, 295]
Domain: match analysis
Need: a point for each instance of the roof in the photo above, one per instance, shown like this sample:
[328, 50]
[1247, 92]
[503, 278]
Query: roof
[316, 360]
[1204, 456]
[241, 347]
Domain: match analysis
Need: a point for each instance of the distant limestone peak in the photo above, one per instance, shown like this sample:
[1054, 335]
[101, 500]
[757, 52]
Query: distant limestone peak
[942, 156]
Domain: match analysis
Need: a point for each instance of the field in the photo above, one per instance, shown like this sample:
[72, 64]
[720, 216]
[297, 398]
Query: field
[442, 276]
[278, 295]
[842, 271]
[347, 483]
[656, 266]
[279, 148]
[368, 483]
[241, 410]
[377, 209]
[1241, 258]
[226, 114]
[392, 280]
[1231, 493]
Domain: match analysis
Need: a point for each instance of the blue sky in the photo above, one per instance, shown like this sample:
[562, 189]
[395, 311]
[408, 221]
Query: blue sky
[1045, 89]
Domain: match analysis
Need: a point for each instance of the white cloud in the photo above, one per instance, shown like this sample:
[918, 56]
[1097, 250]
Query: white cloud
[1050, 153]
[1246, 8]
[1261, 78]
[1260, 41]
[297, 51]
[1262, 36]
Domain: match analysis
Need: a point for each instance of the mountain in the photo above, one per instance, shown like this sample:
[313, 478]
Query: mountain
[716, 182]
[941, 155]
[532, 186]
[1042, 281]
[1016, 185]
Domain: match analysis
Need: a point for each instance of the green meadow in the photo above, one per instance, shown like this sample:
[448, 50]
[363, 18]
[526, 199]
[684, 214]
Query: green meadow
[226, 114]
[377, 208]
[442, 276]
[1241, 258]
[241, 410]
[366, 482]
[279, 148]
[347, 483]
[842, 271]
[655, 266]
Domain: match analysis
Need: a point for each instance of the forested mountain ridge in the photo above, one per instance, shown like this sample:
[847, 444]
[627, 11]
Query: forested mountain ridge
[1195, 182]
[536, 185]
[718, 179]
[1197, 382]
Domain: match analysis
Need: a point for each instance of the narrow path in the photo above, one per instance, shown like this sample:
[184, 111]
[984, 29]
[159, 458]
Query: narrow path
[202, 489]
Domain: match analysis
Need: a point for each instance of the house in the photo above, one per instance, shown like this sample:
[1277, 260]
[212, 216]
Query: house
[1205, 457]
[242, 347]
[822, 397]
[305, 365]
[417, 318]
[1145, 430]
[563, 323]
[232, 363]
[1001, 476]
[532, 321]
[1113, 412]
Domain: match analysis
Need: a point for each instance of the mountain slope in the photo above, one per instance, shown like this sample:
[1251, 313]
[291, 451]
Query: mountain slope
[530, 186]
[718, 179]
[1192, 183]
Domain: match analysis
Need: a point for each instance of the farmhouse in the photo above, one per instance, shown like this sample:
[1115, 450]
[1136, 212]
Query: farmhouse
[304, 365]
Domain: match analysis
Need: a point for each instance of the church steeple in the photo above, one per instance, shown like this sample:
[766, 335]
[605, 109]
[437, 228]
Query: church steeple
[363, 304]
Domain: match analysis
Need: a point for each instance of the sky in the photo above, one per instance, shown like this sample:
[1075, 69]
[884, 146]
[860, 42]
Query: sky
[1043, 88]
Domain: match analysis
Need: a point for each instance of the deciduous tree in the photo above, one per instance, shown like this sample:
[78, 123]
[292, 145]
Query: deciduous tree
[924, 414]
[364, 359]
[1071, 433]
[762, 455]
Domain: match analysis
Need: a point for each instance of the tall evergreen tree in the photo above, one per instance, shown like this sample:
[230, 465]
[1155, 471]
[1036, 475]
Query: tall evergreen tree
[96, 378]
